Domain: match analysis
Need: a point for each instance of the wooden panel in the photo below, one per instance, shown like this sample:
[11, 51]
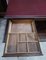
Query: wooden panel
[22, 37]
[21, 28]
[31, 37]
[21, 47]
[12, 43]
[33, 47]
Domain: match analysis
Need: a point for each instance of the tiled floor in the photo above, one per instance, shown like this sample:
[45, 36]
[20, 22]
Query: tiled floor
[2, 29]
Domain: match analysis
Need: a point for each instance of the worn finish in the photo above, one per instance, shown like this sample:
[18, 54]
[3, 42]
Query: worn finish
[22, 38]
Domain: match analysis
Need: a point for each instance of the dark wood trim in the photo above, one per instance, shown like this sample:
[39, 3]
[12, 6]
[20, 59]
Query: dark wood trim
[6, 30]
[25, 16]
[22, 55]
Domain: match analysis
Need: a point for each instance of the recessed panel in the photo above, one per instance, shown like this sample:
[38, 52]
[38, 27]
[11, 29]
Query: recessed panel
[21, 28]
[21, 47]
[33, 47]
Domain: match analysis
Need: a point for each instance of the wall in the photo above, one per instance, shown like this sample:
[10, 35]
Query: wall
[2, 29]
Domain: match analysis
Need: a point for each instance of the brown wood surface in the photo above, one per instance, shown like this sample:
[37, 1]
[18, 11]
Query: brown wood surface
[21, 38]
